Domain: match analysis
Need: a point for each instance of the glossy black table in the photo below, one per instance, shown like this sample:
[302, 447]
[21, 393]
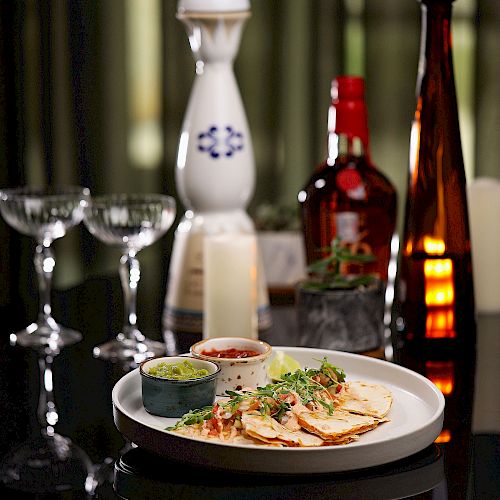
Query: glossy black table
[467, 466]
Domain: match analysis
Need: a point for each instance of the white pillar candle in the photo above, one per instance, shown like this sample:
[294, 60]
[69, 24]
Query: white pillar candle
[230, 286]
[484, 216]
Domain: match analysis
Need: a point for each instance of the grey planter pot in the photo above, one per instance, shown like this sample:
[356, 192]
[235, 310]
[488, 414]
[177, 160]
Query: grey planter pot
[343, 320]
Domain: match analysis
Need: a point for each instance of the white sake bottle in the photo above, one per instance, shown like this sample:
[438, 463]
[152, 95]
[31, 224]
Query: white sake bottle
[215, 169]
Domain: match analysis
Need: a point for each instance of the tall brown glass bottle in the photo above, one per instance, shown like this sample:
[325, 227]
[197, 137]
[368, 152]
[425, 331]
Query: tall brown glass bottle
[347, 197]
[435, 328]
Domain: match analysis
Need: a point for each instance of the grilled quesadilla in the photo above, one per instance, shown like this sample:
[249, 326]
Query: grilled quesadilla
[267, 429]
[365, 399]
[306, 408]
[337, 426]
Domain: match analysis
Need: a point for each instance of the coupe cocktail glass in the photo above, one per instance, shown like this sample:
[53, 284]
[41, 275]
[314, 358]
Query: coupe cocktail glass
[130, 222]
[45, 214]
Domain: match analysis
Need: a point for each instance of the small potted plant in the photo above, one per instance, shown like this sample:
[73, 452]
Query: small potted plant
[338, 310]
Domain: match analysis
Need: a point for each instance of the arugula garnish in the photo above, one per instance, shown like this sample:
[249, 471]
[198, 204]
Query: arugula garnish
[193, 417]
[272, 397]
[334, 373]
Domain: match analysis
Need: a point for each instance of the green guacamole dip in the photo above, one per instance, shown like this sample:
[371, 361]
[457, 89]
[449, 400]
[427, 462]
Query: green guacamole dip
[177, 371]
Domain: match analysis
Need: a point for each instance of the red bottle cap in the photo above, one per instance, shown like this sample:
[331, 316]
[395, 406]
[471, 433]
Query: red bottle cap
[348, 101]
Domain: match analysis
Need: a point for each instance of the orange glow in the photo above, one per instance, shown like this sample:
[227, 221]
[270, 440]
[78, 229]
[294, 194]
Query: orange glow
[434, 246]
[439, 282]
[444, 437]
[441, 373]
[440, 323]
[439, 291]
[409, 247]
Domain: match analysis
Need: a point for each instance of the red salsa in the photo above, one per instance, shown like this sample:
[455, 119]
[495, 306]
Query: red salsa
[230, 353]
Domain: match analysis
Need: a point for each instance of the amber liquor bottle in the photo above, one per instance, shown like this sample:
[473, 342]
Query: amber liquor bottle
[347, 196]
[435, 328]
[435, 286]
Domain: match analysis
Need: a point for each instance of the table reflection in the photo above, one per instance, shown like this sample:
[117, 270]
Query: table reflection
[454, 468]
[142, 475]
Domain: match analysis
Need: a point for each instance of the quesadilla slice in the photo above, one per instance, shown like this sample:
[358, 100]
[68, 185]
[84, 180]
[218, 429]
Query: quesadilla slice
[343, 440]
[265, 428]
[336, 426]
[244, 438]
[365, 399]
[196, 431]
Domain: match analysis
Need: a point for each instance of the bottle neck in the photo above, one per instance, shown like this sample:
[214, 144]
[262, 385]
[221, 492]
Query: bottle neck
[435, 148]
[435, 67]
[437, 109]
[347, 130]
[343, 145]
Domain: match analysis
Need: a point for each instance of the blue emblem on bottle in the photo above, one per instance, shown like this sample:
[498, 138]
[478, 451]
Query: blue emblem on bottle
[220, 142]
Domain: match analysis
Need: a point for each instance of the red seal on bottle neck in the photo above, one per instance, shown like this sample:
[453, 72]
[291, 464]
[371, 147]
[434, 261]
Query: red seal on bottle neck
[350, 116]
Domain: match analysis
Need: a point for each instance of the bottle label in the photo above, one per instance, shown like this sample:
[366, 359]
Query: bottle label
[184, 301]
[347, 226]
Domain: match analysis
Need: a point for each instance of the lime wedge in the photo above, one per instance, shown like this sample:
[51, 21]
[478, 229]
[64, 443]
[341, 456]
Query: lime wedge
[280, 364]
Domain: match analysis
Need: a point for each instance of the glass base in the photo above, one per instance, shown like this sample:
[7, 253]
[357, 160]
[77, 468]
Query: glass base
[53, 336]
[46, 464]
[129, 350]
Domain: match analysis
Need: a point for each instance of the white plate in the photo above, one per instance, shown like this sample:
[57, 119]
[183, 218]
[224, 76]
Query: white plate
[416, 419]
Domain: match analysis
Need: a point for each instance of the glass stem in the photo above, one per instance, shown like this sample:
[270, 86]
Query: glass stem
[130, 274]
[44, 265]
[47, 411]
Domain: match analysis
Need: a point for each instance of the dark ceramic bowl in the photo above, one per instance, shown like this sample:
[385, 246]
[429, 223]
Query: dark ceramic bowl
[173, 398]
